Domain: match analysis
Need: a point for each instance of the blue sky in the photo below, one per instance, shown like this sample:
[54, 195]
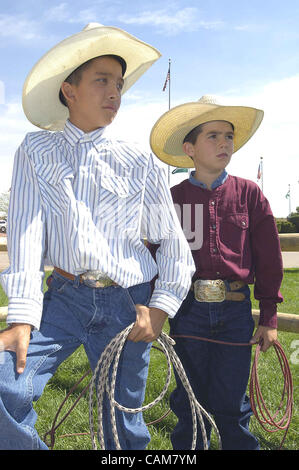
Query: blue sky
[242, 52]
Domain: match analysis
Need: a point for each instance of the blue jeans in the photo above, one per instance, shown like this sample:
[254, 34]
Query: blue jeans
[74, 314]
[217, 373]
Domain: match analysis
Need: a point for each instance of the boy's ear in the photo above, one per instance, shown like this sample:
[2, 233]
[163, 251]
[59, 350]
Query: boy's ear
[67, 91]
[188, 149]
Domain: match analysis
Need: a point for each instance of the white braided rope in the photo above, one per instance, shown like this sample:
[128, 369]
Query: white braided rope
[100, 384]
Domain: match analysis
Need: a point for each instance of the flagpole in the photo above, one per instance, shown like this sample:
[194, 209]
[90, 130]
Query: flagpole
[169, 62]
[169, 83]
[262, 174]
[288, 196]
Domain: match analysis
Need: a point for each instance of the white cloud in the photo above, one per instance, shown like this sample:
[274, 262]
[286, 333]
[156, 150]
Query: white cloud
[87, 15]
[185, 19]
[2, 92]
[58, 13]
[13, 127]
[251, 28]
[275, 141]
[18, 27]
[63, 13]
[22, 28]
[135, 121]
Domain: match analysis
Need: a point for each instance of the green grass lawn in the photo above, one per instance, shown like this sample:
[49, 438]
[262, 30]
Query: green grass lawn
[269, 373]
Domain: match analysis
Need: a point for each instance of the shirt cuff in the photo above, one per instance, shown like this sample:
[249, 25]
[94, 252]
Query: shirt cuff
[165, 301]
[268, 314]
[25, 311]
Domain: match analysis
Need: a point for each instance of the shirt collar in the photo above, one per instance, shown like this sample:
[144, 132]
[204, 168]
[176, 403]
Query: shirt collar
[74, 135]
[218, 182]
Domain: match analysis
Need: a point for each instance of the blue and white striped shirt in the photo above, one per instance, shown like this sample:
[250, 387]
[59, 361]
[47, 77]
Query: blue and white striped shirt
[85, 202]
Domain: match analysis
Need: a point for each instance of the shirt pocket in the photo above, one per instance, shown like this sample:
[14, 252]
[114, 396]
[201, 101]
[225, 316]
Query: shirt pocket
[55, 183]
[239, 220]
[234, 232]
[120, 200]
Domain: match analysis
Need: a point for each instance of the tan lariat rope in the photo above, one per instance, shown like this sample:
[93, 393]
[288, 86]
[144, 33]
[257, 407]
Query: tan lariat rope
[103, 382]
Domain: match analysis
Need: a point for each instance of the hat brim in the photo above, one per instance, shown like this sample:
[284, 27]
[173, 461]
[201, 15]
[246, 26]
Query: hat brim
[40, 100]
[171, 128]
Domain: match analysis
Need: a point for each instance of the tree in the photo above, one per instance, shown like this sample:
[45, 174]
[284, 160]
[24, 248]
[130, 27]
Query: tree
[294, 218]
[4, 201]
[285, 226]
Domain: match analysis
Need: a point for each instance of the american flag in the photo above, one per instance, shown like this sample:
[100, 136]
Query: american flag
[259, 172]
[167, 79]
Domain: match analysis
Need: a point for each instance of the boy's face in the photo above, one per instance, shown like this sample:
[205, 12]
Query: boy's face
[94, 102]
[213, 148]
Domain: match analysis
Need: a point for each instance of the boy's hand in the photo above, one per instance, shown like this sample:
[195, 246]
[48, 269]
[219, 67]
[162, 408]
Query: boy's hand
[264, 335]
[148, 325]
[16, 338]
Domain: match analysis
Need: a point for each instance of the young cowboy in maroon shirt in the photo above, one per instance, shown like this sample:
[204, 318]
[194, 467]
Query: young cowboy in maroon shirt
[233, 237]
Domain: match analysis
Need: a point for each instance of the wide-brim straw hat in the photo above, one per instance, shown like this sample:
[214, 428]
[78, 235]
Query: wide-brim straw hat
[171, 128]
[41, 102]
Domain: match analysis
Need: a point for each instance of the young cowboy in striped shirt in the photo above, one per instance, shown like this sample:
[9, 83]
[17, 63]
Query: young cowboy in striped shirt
[84, 201]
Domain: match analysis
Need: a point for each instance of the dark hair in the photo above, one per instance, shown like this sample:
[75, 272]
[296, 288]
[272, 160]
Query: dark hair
[193, 134]
[75, 77]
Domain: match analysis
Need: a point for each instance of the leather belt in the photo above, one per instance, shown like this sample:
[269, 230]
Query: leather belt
[216, 290]
[94, 279]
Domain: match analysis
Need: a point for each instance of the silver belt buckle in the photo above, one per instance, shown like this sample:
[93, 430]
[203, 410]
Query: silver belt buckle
[96, 279]
[209, 290]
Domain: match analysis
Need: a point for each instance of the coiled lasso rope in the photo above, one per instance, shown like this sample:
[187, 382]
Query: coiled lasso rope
[102, 381]
[269, 422]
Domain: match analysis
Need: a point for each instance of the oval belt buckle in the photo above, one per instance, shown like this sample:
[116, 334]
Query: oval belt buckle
[96, 279]
[209, 290]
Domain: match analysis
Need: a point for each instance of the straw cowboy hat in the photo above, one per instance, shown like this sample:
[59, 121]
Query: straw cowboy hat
[169, 131]
[41, 102]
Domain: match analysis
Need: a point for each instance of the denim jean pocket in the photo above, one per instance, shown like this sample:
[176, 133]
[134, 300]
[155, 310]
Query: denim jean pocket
[56, 283]
[140, 294]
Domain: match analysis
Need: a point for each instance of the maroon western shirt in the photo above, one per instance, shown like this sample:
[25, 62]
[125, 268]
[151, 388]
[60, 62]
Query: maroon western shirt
[239, 238]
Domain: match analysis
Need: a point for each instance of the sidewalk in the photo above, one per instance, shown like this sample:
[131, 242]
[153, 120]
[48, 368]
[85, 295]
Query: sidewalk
[290, 259]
